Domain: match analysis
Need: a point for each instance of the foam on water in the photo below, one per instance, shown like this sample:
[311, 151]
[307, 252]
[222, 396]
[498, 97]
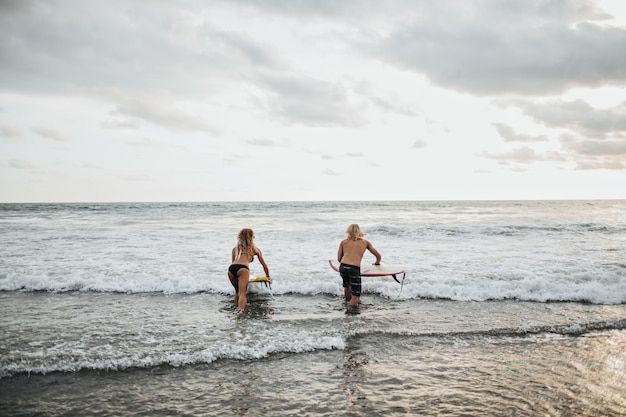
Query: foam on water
[151, 330]
[44, 361]
[537, 251]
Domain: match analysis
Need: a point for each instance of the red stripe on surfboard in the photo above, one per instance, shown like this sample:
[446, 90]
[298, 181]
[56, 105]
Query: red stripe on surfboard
[370, 274]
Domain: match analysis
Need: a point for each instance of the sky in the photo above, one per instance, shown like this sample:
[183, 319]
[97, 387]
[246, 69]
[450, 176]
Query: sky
[295, 100]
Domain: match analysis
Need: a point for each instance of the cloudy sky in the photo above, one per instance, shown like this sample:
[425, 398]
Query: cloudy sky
[195, 100]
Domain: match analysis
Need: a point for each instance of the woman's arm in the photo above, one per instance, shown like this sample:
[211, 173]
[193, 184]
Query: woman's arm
[265, 268]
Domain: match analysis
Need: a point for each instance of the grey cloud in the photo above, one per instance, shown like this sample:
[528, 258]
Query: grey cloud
[509, 135]
[419, 144]
[522, 155]
[319, 8]
[76, 47]
[596, 154]
[586, 154]
[161, 111]
[578, 116]
[50, 134]
[146, 48]
[394, 106]
[9, 132]
[332, 173]
[387, 102]
[262, 142]
[21, 164]
[309, 101]
[596, 147]
[136, 178]
[492, 47]
[13, 6]
[596, 138]
[145, 143]
[614, 165]
[120, 123]
[248, 49]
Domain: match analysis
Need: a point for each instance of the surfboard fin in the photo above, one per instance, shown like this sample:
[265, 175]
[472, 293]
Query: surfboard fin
[403, 275]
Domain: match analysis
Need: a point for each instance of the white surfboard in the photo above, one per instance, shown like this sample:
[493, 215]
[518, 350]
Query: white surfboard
[368, 270]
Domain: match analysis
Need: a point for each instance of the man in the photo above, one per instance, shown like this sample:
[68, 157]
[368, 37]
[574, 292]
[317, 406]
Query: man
[350, 255]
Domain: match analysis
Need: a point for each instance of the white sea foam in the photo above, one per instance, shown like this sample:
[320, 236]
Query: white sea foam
[537, 251]
[177, 351]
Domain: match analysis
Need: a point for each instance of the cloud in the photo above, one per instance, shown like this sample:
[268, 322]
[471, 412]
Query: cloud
[145, 143]
[332, 173]
[595, 138]
[585, 154]
[76, 47]
[120, 123]
[509, 135]
[309, 101]
[319, 73]
[577, 116]
[50, 134]
[419, 144]
[137, 178]
[9, 132]
[523, 155]
[389, 102]
[21, 164]
[160, 111]
[592, 154]
[613, 165]
[263, 142]
[596, 147]
[490, 47]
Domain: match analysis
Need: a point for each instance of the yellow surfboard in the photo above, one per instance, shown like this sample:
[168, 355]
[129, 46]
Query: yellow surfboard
[260, 279]
[266, 280]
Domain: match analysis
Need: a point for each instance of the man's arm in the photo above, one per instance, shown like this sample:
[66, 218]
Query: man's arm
[374, 252]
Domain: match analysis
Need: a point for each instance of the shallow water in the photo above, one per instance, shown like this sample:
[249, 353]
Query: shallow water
[148, 354]
[508, 308]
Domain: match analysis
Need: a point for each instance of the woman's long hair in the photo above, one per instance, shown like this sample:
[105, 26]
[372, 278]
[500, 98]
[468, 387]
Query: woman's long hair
[245, 244]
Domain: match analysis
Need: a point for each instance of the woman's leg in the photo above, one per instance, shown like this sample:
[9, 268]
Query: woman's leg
[243, 279]
[235, 283]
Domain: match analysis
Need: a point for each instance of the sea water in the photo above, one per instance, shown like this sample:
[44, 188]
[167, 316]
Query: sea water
[507, 308]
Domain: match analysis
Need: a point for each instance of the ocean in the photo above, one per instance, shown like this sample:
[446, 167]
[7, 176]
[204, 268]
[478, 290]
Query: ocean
[508, 308]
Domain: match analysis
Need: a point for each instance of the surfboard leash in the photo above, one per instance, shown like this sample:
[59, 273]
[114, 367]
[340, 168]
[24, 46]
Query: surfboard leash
[268, 285]
[401, 285]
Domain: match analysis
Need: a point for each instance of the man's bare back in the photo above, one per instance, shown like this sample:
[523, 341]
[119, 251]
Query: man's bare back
[351, 251]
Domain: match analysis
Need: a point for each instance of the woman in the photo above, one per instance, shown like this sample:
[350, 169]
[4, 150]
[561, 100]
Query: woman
[350, 254]
[239, 270]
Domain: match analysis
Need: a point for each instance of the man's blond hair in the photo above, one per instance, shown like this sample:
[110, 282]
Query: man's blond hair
[354, 232]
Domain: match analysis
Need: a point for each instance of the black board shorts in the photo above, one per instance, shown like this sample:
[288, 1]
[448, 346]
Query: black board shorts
[351, 276]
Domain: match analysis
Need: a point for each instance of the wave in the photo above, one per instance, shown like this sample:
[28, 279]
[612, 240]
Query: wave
[506, 230]
[40, 365]
[610, 288]
[217, 352]
[575, 329]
